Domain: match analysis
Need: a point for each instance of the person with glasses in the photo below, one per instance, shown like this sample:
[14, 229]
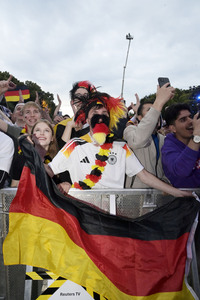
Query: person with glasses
[67, 129]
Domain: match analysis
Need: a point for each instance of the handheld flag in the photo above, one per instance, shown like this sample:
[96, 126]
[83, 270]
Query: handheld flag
[13, 95]
[119, 258]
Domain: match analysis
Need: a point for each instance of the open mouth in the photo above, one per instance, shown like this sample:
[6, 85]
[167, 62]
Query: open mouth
[32, 121]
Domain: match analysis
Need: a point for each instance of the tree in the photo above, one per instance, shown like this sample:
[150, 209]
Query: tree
[181, 96]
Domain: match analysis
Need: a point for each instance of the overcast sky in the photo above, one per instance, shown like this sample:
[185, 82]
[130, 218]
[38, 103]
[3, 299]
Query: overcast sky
[56, 43]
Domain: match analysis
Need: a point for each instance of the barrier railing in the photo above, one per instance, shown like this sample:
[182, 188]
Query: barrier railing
[131, 203]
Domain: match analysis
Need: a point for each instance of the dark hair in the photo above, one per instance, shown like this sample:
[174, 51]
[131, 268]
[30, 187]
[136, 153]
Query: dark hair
[140, 108]
[97, 99]
[173, 111]
[82, 84]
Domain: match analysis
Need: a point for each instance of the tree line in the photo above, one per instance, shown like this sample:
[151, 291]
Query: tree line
[189, 96]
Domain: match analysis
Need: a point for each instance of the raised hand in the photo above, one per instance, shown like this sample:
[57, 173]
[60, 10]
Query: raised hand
[56, 111]
[21, 99]
[37, 100]
[163, 95]
[6, 85]
[59, 100]
[133, 106]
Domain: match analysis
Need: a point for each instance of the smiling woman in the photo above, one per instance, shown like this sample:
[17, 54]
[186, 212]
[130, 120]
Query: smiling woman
[43, 137]
[43, 134]
[40, 133]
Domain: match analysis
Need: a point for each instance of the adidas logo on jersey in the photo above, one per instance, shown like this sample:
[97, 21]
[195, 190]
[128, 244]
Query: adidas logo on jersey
[85, 160]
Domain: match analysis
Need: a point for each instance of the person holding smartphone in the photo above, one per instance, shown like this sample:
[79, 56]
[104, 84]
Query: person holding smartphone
[144, 139]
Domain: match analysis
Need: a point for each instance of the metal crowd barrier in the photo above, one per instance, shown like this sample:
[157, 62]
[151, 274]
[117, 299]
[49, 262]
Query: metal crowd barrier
[125, 202]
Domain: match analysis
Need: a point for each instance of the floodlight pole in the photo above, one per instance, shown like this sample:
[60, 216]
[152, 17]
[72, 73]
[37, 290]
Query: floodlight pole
[129, 38]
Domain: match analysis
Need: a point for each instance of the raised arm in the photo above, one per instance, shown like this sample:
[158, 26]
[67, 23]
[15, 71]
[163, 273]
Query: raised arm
[135, 106]
[37, 100]
[6, 85]
[21, 99]
[57, 107]
[163, 95]
[138, 136]
[68, 129]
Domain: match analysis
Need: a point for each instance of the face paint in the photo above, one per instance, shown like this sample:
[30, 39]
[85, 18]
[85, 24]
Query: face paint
[96, 119]
[99, 124]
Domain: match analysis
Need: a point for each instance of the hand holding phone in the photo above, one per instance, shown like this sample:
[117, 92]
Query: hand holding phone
[163, 80]
[163, 95]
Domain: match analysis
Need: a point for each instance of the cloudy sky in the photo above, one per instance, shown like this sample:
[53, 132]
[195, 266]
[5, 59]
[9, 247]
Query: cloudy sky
[56, 43]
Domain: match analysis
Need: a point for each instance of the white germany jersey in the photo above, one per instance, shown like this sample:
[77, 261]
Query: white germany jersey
[79, 155]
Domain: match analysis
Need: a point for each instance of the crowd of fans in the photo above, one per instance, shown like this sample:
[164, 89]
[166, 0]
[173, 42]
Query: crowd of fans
[100, 146]
[169, 153]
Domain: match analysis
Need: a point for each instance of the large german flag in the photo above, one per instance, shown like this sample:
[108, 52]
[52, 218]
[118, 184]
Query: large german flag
[13, 95]
[117, 257]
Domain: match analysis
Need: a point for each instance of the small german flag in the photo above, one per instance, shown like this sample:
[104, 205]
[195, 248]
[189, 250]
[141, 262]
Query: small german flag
[13, 95]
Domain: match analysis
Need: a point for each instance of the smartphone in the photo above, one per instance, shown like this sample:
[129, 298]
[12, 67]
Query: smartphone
[163, 80]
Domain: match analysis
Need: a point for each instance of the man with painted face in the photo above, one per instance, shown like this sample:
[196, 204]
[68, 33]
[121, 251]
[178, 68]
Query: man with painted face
[80, 93]
[97, 160]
